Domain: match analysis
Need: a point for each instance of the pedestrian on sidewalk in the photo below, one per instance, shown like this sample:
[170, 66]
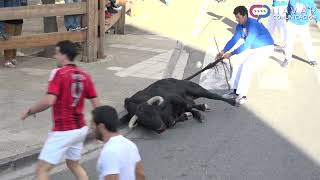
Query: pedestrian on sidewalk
[277, 20]
[68, 87]
[73, 22]
[300, 12]
[257, 47]
[119, 158]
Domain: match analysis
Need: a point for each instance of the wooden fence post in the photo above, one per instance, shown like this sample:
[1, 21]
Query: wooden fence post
[121, 23]
[102, 4]
[49, 25]
[92, 32]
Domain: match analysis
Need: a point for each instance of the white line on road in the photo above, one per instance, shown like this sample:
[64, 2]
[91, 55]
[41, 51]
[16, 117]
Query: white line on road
[113, 68]
[137, 48]
[181, 65]
[152, 68]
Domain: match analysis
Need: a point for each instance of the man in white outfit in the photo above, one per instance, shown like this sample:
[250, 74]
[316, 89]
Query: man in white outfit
[119, 158]
[257, 47]
[299, 14]
[277, 20]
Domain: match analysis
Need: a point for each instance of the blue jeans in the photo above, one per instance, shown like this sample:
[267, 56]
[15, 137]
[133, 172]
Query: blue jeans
[8, 3]
[72, 21]
[1, 22]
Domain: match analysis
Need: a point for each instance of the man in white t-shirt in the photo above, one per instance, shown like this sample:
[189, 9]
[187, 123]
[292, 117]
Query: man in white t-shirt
[119, 158]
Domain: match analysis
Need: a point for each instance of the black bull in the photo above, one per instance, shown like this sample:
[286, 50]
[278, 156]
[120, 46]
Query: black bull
[166, 102]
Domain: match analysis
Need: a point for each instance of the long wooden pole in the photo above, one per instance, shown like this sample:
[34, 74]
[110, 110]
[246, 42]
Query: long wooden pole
[101, 29]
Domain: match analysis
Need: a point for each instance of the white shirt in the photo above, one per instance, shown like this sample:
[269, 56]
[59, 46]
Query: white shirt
[118, 156]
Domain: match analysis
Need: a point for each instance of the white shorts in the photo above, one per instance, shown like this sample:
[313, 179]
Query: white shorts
[61, 145]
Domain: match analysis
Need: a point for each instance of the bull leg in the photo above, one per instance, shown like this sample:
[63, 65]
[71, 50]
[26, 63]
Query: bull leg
[197, 115]
[184, 117]
[197, 91]
[201, 107]
[188, 115]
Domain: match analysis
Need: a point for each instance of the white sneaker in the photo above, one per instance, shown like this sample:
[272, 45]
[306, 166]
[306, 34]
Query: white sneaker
[229, 95]
[241, 100]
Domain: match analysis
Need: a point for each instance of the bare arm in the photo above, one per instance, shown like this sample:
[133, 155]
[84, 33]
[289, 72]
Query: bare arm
[112, 177]
[95, 102]
[46, 102]
[139, 171]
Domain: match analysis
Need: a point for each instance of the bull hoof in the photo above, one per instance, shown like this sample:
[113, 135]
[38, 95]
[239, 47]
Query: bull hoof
[173, 123]
[188, 115]
[198, 116]
[200, 120]
[207, 108]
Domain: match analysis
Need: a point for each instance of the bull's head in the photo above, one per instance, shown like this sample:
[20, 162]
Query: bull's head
[148, 115]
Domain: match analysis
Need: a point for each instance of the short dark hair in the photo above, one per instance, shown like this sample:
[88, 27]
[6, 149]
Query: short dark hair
[240, 9]
[108, 116]
[68, 48]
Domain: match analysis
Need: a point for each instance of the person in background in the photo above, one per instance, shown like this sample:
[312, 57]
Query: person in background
[277, 20]
[11, 28]
[299, 14]
[3, 34]
[73, 22]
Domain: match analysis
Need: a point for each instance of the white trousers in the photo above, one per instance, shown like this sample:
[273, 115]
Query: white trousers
[277, 21]
[304, 33]
[246, 64]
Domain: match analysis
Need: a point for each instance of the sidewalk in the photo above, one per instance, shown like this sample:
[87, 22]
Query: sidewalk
[127, 55]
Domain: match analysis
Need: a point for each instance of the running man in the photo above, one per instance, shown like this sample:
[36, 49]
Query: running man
[67, 89]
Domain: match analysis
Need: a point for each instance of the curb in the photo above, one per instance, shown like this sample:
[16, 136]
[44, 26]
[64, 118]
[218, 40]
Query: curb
[15, 162]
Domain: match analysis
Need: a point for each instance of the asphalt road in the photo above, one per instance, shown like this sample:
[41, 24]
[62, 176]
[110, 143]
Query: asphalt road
[232, 143]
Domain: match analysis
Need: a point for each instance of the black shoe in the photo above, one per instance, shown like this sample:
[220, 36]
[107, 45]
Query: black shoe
[111, 10]
[313, 63]
[285, 63]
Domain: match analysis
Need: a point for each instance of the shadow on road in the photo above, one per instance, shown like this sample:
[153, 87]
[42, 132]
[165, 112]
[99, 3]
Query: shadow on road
[232, 143]
[227, 21]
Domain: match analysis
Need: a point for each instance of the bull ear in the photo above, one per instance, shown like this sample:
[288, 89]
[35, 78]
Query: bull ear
[154, 99]
[132, 122]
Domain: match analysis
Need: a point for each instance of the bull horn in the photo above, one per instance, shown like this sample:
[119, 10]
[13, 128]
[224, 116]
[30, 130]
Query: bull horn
[132, 122]
[155, 99]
